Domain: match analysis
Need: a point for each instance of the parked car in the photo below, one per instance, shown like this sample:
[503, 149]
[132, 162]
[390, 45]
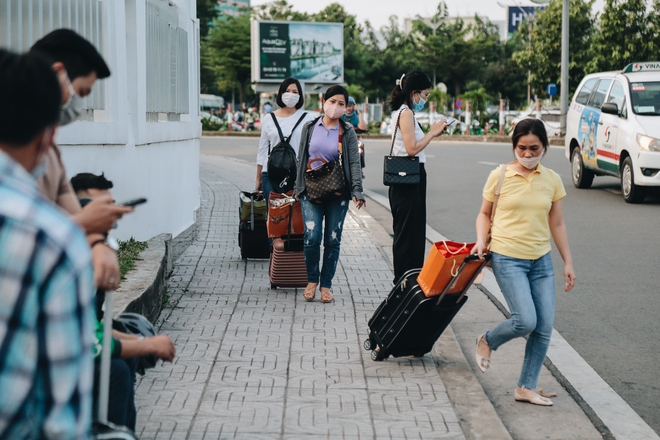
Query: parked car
[613, 128]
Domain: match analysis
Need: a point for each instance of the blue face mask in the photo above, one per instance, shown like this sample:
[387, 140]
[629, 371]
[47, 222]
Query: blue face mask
[419, 106]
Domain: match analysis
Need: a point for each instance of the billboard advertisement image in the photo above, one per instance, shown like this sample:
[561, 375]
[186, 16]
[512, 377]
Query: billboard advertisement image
[310, 52]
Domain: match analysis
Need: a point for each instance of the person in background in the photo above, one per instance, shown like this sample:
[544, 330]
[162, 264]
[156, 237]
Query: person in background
[408, 202]
[46, 285]
[353, 115]
[125, 348]
[78, 65]
[321, 139]
[268, 108]
[291, 100]
[529, 211]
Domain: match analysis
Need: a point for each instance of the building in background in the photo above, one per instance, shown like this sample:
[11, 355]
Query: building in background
[232, 7]
[467, 21]
[141, 126]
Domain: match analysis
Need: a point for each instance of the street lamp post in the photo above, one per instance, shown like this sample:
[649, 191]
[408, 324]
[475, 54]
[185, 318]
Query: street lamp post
[433, 25]
[564, 62]
[564, 67]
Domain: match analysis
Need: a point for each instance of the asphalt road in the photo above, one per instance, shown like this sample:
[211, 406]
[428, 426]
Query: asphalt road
[611, 316]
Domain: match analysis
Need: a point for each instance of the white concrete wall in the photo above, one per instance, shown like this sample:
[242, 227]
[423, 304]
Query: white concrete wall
[156, 160]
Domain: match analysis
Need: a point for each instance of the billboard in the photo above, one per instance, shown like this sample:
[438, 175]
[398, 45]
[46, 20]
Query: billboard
[310, 52]
[517, 16]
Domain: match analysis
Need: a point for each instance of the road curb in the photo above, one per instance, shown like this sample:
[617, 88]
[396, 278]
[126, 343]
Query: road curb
[462, 138]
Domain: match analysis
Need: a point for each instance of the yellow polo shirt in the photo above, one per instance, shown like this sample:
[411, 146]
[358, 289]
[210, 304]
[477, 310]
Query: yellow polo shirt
[520, 226]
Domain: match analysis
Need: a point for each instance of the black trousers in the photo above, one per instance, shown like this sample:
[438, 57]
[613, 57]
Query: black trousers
[408, 205]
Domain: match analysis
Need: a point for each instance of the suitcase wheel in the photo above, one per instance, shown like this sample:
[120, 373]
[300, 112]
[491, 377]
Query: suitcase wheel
[369, 344]
[377, 355]
[419, 355]
[273, 286]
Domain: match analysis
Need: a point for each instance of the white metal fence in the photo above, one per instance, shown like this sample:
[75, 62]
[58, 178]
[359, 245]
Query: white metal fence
[23, 22]
[167, 62]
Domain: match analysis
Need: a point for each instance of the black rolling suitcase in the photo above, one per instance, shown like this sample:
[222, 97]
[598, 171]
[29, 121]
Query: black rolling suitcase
[408, 323]
[252, 234]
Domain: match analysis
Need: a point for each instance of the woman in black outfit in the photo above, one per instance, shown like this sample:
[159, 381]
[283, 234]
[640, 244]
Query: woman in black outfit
[408, 202]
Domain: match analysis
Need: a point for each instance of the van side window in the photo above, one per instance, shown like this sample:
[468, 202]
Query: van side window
[585, 91]
[617, 96]
[598, 97]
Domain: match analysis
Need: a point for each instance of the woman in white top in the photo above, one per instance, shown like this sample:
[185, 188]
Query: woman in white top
[290, 99]
[408, 202]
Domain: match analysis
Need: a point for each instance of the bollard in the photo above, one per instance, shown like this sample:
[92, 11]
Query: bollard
[468, 118]
[502, 118]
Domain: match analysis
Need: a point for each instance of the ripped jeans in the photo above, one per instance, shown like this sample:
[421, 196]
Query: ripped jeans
[334, 213]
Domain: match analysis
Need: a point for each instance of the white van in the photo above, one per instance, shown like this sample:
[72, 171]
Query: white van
[613, 128]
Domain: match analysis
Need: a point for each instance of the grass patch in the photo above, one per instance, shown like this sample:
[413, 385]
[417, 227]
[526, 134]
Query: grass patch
[127, 254]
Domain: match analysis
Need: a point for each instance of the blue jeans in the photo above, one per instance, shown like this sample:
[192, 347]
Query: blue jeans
[266, 187]
[334, 213]
[529, 289]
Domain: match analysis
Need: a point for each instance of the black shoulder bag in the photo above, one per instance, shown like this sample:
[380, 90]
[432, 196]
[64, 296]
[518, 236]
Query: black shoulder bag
[400, 170]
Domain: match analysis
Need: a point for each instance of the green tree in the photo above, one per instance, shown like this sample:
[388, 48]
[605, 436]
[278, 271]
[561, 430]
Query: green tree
[278, 10]
[504, 78]
[228, 54]
[623, 37]
[542, 52]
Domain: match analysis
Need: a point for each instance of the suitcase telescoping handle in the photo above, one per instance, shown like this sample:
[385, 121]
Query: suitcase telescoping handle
[470, 258]
[104, 379]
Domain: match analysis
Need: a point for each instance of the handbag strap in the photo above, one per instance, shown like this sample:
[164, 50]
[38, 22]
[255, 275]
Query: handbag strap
[340, 146]
[396, 127]
[453, 253]
[496, 198]
[497, 193]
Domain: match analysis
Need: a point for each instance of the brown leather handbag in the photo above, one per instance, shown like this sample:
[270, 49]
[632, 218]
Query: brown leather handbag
[327, 182]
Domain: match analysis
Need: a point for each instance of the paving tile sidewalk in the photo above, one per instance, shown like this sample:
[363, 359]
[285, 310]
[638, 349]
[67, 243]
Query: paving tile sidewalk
[256, 363]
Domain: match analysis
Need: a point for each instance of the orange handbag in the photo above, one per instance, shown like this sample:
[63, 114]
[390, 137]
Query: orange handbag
[443, 264]
[284, 215]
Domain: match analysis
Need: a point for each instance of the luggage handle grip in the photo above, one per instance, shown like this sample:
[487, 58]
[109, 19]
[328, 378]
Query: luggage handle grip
[468, 259]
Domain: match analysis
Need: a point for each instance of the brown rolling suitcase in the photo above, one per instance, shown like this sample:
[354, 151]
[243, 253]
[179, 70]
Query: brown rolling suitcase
[287, 263]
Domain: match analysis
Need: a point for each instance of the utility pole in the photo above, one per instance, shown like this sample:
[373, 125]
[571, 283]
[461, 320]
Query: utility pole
[564, 67]
[435, 24]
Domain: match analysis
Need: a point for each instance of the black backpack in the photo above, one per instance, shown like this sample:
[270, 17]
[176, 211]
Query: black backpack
[282, 160]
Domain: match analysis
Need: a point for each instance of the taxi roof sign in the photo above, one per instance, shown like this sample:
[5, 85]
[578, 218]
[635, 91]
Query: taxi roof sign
[642, 67]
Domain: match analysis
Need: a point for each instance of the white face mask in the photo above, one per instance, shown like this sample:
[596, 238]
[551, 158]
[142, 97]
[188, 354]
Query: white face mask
[529, 162]
[290, 99]
[333, 111]
[72, 108]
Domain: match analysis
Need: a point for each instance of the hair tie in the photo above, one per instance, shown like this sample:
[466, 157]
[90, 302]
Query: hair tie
[400, 81]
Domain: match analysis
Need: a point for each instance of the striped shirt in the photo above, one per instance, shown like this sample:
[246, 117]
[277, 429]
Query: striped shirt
[46, 315]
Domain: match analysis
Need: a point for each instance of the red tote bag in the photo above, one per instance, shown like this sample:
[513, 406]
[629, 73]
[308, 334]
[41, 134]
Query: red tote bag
[442, 264]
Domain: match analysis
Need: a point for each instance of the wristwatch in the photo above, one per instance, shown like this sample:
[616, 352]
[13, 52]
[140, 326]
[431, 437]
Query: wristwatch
[112, 243]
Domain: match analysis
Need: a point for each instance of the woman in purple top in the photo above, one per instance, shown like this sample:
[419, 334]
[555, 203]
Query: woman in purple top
[320, 139]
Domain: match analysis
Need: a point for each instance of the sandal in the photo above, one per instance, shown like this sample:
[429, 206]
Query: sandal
[310, 291]
[326, 296]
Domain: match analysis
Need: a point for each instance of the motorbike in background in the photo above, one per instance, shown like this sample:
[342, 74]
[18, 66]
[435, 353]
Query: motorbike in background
[358, 132]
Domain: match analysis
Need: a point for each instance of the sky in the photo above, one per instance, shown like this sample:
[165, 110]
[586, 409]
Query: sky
[379, 11]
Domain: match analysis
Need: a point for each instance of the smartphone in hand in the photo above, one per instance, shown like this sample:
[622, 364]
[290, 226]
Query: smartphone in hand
[134, 202]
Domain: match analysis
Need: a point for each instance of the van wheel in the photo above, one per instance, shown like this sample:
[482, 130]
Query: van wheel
[582, 177]
[631, 193]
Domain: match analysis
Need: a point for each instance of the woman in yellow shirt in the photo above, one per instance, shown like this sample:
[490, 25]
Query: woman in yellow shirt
[529, 210]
